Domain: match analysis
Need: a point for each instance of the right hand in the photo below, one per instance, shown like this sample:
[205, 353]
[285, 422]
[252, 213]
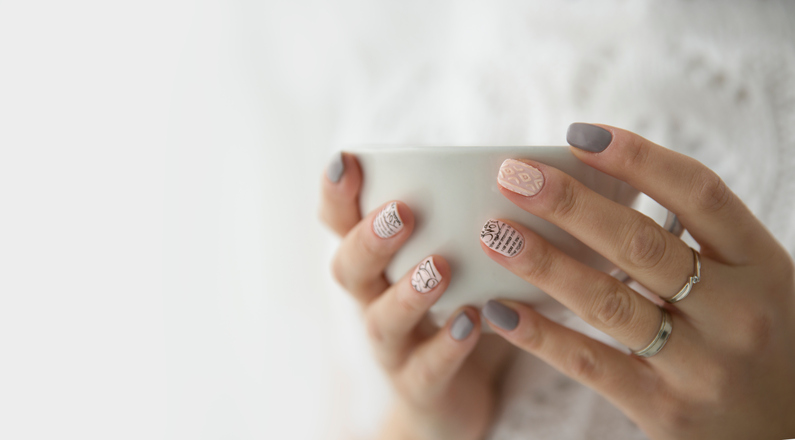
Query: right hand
[444, 378]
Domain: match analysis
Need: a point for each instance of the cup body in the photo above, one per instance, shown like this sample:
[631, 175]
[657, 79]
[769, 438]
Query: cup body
[452, 192]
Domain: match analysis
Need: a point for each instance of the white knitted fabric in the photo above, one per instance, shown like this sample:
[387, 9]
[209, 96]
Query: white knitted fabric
[714, 81]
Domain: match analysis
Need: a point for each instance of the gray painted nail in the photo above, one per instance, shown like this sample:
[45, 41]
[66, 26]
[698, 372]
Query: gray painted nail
[501, 315]
[588, 137]
[461, 327]
[335, 168]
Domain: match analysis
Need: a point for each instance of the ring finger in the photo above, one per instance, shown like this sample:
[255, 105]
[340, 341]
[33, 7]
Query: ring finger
[601, 300]
[392, 319]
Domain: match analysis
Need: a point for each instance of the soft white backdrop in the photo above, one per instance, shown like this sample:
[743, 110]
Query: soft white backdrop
[159, 254]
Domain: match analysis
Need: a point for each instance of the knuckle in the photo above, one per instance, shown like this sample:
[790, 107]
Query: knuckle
[373, 328]
[675, 416]
[532, 337]
[710, 192]
[645, 244]
[410, 303]
[614, 308]
[635, 153]
[718, 382]
[538, 265]
[369, 250]
[583, 365]
[566, 202]
[338, 271]
[425, 375]
[755, 329]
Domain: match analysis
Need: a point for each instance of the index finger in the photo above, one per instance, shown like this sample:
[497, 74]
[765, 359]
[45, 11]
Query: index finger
[339, 200]
[714, 216]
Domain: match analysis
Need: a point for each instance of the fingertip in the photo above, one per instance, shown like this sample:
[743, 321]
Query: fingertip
[405, 214]
[501, 315]
[343, 176]
[465, 325]
[441, 265]
[592, 138]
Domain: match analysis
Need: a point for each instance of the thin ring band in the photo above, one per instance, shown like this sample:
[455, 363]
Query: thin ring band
[685, 290]
[659, 341]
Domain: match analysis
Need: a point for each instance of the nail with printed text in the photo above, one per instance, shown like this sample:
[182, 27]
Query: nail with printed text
[388, 222]
[501, 237]
[425, 276]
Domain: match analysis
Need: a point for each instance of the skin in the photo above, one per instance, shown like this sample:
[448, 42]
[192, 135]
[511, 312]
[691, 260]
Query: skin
[728, 369]
[445, 388]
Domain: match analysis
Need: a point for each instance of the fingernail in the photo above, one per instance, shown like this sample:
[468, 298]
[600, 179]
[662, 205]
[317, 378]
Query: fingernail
[520, 177]
[335, 168]
[462, 327]
[426, 276]
[501, 237]
[588, 137]
[501, 315]
[388, 222]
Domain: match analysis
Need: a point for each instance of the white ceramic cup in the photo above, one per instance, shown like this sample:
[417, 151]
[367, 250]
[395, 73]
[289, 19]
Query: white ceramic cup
[453, 191]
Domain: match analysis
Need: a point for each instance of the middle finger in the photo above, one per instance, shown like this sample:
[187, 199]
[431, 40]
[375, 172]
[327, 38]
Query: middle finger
[652, 256]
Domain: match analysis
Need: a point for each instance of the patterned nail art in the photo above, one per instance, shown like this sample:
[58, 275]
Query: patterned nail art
[520, 177]
[425, 277]
[501, 237]
[388, 223]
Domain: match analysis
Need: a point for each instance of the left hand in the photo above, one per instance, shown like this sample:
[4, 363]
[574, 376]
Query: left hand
[728, 368]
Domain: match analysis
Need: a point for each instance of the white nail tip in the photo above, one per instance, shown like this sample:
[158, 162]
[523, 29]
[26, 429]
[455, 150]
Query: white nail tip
[388, 222]
[425, 276]
[501, 237]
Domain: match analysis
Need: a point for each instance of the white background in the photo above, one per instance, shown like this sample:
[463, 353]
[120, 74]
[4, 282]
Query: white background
[160, 261]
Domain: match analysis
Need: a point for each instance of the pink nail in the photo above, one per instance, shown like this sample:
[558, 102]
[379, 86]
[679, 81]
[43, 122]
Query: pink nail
[520, 178]
[426, 276]
[388, 222]
[501, 237]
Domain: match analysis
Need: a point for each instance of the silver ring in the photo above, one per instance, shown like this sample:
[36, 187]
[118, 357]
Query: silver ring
[659, 341]
[685, 290]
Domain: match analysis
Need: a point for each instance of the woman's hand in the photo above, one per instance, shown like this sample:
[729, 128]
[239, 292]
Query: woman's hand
[728, 368]
[443, 378]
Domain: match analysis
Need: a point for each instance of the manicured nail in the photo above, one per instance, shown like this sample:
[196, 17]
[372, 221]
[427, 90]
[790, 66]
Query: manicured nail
[388, 222]
[501, 315]
[520, 177]
[426, 276]
[588, 137]
[335, 168]
[462, 327]
[501, 237]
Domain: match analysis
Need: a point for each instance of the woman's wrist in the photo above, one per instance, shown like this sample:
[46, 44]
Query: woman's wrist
[399, 425]
[406, 423]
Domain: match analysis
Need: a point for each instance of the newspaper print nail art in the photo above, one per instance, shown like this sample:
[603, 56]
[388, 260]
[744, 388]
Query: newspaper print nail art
[501, 237]
[520, 177]
[388, 222]
[426, 276]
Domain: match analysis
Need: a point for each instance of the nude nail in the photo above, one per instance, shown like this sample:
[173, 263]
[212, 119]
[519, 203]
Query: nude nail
[426, 276]
[501, 237]
[388, 222]
[520, 177]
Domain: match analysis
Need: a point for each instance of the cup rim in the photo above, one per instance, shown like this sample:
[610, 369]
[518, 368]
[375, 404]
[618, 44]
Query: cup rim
[446, 149]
